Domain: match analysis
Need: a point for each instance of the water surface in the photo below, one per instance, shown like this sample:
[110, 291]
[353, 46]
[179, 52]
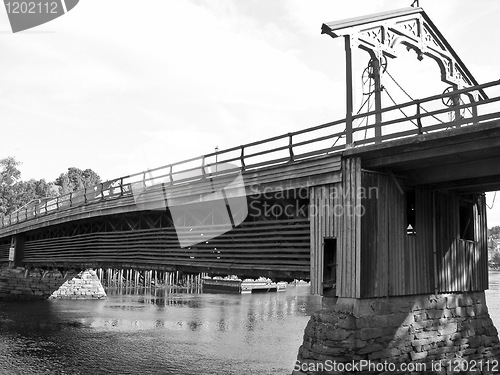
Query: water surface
[156, 332]
[164, 332]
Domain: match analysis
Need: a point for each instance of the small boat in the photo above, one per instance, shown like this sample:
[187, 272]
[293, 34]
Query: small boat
[233, 285]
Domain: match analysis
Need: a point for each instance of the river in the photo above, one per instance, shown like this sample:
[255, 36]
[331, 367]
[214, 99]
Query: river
[164, 332]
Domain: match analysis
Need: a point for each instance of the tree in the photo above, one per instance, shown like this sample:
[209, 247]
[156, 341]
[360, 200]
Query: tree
[494, 232]
[28, 191]
[9, 175]
[495, 261]
[15, 193]
[76, 179]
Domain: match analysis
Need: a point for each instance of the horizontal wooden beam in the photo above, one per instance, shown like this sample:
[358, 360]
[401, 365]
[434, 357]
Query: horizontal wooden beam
[425, 145]
[476, 169]
[431, 153]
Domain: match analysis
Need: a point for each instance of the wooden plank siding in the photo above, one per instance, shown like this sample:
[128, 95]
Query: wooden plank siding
[421, 257]
[4, 252]
[396, 263]
[388, 266]
[325, 203]
[482, 226]
[349, 237]
[447, 228]
[332, 214]
[462, 265]
[280, 246]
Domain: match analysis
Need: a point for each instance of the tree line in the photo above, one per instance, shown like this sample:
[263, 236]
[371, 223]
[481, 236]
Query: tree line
[15, 193]
[494, 234]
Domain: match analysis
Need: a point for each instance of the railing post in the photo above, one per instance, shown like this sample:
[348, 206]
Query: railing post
[71, 199]
[46, 210]
[290, 146]
[456, 103]
[474, 113]
[57, 203]
[203, 174]
[419, 121]
[85, 195]
[121, 186]
[473, 108]
[242, 158]
[102, 191]
[349, 104]
[170, 176]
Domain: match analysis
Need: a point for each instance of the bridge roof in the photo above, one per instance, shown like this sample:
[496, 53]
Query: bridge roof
[361, 20]
[351, 26]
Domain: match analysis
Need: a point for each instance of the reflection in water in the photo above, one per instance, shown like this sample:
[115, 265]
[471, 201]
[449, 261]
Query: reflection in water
[164, 331]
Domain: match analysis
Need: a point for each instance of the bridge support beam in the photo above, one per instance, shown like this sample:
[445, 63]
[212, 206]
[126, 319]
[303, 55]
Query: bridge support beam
[21, 283]
[431, 330]
[17, 250]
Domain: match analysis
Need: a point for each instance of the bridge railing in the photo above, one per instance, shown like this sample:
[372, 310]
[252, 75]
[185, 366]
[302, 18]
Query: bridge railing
[449, 110]
[454, 109]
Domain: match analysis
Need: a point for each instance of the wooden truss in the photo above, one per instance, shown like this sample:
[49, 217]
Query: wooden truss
[381, 33]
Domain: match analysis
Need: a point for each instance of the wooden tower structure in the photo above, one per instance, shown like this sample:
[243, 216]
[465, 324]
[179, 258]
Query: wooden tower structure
[401, 240]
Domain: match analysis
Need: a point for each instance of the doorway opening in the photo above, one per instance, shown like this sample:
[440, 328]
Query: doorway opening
[329, 266]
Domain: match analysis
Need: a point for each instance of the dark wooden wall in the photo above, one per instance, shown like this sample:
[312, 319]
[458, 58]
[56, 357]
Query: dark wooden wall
[462, 265]
[4, 251]
[393, 262]
[396, 263]
[349, 273]
[278, 248]
[324, 201]
[333, 213]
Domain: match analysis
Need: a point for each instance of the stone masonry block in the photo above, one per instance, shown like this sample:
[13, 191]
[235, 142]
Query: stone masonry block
[338, 334]
[370, 333]
[418, 356]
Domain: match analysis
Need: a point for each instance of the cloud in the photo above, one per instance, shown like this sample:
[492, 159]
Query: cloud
[112, 75]
[214, 71]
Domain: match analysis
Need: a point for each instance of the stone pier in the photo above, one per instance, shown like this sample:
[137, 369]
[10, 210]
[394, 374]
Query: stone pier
[22, 283]
[436, 330]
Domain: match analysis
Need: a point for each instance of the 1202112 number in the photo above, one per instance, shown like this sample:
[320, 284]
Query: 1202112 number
[31, 7]
[460, 365]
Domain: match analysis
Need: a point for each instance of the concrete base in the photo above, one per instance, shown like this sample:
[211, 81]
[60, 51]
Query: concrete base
[35, 284]
[435, 332]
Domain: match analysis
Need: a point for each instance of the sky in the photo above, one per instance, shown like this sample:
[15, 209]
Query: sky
[120, 86]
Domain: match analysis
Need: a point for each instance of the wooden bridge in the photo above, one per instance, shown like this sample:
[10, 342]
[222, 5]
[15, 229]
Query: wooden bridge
[298, 175]
[292, 206]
